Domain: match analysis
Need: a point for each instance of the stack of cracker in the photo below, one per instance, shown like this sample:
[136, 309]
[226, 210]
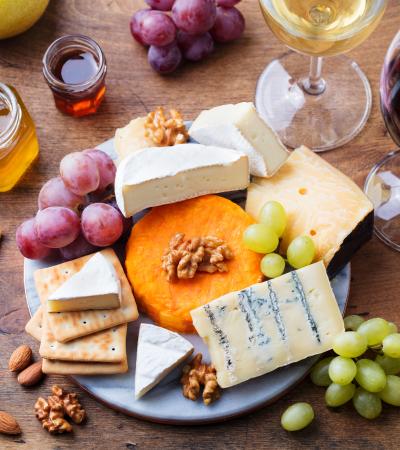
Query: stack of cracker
[91, 342]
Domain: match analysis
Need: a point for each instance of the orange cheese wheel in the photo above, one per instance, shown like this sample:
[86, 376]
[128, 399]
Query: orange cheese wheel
[169, 303]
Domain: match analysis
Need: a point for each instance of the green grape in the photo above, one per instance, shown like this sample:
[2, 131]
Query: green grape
[367, 404]
[297, 416]
[370, 375]
[391, 392]
[350, 344]
[351, 323]
[337, 394]
[301, 252]
[273, 214]
[392, 328]
[260, 238]
[375, 330]
[391, 366]
[342, 370]
[391, 345]
[320, 372]
[272, 265]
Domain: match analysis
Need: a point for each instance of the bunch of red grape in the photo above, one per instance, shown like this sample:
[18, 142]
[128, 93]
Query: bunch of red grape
[188, 32]
[68, 219]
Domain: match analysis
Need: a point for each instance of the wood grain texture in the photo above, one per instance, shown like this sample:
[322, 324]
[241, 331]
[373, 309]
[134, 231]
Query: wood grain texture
[229, 75]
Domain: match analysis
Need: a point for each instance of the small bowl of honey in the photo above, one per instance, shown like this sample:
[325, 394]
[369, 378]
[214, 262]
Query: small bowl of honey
[74, 67]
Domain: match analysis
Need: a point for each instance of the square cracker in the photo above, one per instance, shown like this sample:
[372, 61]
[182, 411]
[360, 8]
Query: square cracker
[97, 347]
[104, 346]
[80, 368]
[34, 325]
[67, 326]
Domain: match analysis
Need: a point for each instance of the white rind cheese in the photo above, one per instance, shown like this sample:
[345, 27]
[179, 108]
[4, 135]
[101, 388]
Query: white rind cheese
[239, 127]
[162, 175]
[95, 286]
[270, 325]
[159, 351]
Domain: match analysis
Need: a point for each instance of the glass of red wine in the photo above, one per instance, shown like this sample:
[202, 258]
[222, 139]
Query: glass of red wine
[383, 182]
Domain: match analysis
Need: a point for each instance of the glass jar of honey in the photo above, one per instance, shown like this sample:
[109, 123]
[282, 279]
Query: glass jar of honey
[19, 146]
[75, 68]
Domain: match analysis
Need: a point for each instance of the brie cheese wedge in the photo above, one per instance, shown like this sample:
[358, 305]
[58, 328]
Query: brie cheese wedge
[159, 351]
[95, 286]
[239, 127]
[161, 175]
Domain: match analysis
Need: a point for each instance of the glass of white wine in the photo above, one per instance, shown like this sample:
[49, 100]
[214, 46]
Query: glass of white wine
[298, 102]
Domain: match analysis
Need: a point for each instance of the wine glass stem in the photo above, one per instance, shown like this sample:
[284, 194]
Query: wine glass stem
[315, 84]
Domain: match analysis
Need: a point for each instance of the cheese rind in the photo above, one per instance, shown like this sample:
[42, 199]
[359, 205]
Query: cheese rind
[159, 351]
[320, 202]
[239, 127]
[270, 325]
[159, 176]
[95, 286]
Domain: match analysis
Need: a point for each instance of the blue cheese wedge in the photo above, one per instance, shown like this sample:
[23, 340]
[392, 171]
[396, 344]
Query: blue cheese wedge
[320, 202]
[95, 286]
[159, 351]
[162, 175]
[240, 127]
[270, 325]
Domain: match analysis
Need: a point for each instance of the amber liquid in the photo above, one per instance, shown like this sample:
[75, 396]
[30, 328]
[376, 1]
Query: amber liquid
[74, 68]
[322, 27]
[22, 150]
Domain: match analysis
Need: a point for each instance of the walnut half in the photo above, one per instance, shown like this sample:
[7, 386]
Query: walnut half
[184, 257]
[166, 131]
[198, 374]
[51, 412]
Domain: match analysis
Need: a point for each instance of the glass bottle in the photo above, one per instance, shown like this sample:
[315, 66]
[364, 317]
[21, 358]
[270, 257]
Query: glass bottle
[19, 145]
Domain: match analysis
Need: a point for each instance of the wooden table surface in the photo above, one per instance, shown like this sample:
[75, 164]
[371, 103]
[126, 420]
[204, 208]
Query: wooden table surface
[230, 75]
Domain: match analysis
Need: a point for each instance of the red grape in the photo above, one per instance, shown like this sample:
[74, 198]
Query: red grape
[127, 222]
[80, 247]
[156, 28]
[28, 242]
[229, 24]
[79, 173]
[101, 224]
[57, 226]
[195, 48]
[136, 24]
[105, 166]
[55, 193]
[227, 3]
[162, 5]
[165, 59]
[194, 16]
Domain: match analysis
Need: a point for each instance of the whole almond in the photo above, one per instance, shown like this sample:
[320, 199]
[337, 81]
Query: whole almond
[20, 358]
[8, 425]
[31, 375]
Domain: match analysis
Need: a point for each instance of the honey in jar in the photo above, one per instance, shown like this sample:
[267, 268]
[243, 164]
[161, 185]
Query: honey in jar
[19, 146]
[75, 69]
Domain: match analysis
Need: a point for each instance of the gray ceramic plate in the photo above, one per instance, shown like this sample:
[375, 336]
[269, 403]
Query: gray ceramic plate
[165, 403]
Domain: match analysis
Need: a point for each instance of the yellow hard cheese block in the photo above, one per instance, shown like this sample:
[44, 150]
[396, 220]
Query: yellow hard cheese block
[95, 286]
[270, 325]
[321, 202]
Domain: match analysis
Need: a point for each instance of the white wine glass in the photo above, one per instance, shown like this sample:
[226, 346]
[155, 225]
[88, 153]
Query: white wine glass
[303, 106]
[383, 183]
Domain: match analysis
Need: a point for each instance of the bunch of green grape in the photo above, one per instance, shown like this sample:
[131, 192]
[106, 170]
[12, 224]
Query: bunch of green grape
[367, 381]
[352, 376]
[263, 237]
